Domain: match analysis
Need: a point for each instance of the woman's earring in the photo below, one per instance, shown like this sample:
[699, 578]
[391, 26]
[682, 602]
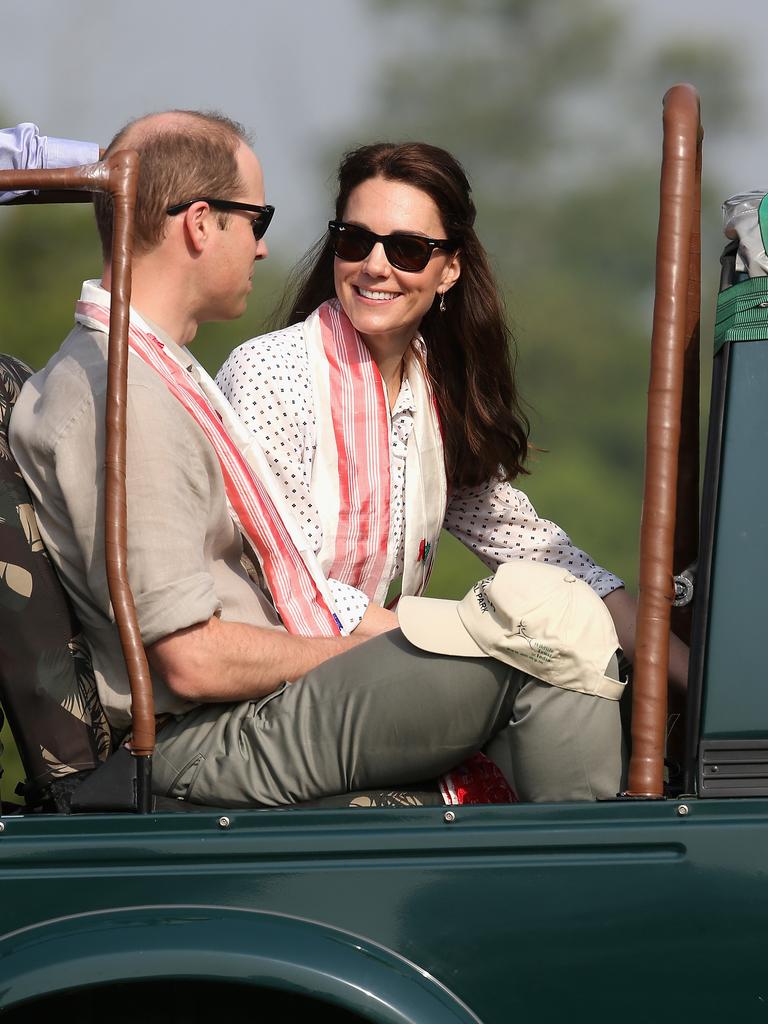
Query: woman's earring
[442, 302]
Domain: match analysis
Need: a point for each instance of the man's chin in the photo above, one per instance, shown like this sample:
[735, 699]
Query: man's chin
[231, 312]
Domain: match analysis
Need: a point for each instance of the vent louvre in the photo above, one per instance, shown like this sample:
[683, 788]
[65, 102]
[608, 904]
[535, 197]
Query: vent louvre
[733, 768]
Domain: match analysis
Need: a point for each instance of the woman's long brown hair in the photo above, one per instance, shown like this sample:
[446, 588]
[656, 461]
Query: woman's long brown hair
[470, 350]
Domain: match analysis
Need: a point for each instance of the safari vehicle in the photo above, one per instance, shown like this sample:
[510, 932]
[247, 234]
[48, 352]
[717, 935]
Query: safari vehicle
[652, 906]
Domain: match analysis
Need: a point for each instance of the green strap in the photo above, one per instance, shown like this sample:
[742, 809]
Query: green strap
[762, 216]
[742, 309]
[742, 312]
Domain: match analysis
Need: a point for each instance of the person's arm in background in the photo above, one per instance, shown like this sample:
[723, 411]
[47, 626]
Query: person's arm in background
[24, 148]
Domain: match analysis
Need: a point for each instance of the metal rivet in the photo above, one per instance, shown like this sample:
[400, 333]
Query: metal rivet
[2, 826]
[449, 816]
[682, 810]
[715, 769]
[224, 822]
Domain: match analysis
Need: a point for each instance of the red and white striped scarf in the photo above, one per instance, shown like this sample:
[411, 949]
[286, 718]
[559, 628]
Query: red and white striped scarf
[297, 585]
[350, 486]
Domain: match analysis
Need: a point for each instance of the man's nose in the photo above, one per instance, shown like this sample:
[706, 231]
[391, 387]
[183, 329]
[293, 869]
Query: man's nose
[261, 250]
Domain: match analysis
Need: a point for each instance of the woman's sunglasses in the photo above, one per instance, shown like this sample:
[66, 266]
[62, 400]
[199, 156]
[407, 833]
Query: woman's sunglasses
[405, 252]
[259, 224]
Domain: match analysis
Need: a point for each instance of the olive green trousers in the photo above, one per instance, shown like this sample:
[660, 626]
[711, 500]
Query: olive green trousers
[387, 714]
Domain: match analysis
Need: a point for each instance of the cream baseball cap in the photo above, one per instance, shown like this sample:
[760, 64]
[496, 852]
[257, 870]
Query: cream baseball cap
[534, 616]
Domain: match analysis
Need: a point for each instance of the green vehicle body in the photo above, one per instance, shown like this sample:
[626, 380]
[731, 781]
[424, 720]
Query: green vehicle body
[630, 910]
[519, 912]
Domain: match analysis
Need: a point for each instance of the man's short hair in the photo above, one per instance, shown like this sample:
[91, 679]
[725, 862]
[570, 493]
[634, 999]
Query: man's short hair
[183, 154]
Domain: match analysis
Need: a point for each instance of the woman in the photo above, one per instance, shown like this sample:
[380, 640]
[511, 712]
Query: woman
[391, 410]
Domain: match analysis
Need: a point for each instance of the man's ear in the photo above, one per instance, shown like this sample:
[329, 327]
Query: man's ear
[198, 222]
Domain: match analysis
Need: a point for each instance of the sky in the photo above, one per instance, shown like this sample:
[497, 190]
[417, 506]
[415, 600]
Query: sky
[300, 74]
[294, 72]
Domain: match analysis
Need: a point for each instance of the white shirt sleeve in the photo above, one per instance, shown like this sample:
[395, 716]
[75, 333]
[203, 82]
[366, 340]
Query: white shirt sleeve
[24, 148]
[351, 603]
[498, 523]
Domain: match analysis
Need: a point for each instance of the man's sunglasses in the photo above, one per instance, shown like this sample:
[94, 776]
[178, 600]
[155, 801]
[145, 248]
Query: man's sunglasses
[405, 252]
[259, 224]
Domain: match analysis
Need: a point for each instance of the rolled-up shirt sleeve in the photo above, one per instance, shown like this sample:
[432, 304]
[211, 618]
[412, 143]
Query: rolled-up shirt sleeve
[24, 148]
[498, 523]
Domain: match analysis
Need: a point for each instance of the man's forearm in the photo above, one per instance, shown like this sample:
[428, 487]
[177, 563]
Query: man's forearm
[231, 661]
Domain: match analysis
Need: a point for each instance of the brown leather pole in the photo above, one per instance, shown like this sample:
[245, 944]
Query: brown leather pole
[682, 135]
[51, 195]
[687, 524]
[117, 175]
[123, 177]
[89, 178]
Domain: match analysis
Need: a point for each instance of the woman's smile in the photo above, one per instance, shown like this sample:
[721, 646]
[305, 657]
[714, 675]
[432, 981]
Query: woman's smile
[376, 296]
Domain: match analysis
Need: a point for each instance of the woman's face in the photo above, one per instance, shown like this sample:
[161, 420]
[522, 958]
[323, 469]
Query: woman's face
[387, 305]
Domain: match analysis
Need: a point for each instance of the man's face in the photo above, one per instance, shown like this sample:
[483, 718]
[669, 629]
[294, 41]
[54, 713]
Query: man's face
[234, 250]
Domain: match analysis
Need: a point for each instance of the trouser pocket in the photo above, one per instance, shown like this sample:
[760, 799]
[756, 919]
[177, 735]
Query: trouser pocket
[257, 706]
[182, 785]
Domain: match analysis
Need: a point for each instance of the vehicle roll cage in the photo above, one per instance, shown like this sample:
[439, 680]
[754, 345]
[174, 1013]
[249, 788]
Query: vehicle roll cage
[671, 468]
[669, 523]
[118, 176]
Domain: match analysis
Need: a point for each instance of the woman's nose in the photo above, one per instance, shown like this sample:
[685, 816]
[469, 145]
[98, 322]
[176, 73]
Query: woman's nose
[376, 263]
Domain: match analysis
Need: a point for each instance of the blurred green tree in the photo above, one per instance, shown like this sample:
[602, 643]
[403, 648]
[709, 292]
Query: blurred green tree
[46, 252]
[555, 110]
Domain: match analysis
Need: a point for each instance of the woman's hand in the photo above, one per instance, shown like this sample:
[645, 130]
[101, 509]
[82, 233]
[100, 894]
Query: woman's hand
[376, 620]
[623, 609]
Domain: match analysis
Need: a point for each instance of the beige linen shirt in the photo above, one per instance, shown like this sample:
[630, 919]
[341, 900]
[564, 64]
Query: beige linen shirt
[184, 550]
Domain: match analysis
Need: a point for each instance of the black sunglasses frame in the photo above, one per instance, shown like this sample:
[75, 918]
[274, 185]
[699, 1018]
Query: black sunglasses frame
[259, 224]
[427, 246]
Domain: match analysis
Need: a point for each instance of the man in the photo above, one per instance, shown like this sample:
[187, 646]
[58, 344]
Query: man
[253, 714]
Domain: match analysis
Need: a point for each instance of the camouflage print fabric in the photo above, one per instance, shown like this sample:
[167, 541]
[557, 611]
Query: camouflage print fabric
[47, 685]
[422, 795]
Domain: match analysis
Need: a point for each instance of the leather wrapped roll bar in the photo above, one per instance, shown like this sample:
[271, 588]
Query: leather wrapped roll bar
[117, 175]
[675, 332]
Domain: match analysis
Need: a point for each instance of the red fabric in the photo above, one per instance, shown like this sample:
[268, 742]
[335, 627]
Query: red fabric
[361, 429]
[477, 781]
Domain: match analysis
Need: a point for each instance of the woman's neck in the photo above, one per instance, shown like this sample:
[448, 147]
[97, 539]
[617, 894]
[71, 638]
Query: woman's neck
[390, 360]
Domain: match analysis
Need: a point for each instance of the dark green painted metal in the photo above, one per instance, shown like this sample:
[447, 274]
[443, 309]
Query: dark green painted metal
[521, 912]
[735, 702]
[201, 943]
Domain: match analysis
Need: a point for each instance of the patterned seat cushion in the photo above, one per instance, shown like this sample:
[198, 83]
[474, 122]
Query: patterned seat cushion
[47, 685]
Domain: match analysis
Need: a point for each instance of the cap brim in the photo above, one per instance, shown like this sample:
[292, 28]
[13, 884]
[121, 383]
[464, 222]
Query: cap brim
[434, 625]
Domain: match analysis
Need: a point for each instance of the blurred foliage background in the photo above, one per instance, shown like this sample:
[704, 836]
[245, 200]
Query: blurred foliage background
[567, 202]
